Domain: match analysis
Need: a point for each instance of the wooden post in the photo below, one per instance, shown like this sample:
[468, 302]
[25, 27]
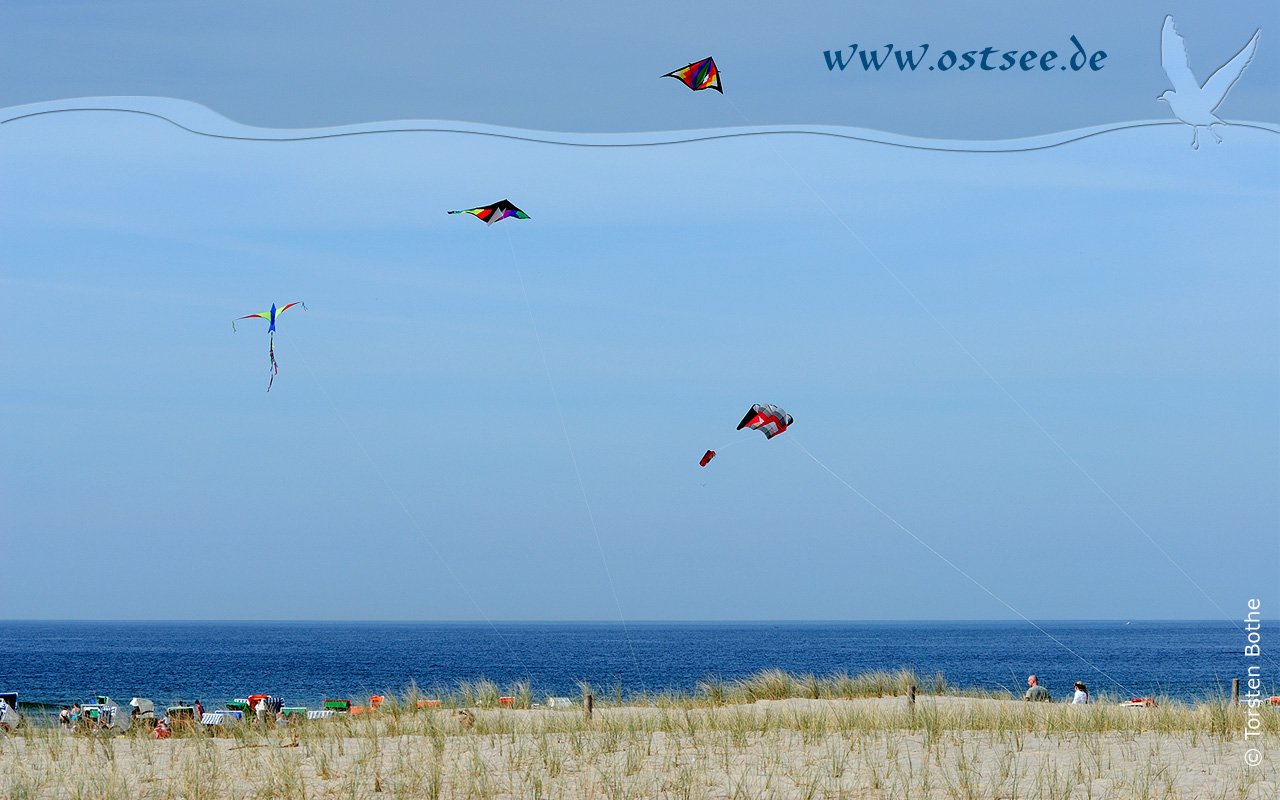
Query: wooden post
[587, 702]
[911, 698]
[1235, 691]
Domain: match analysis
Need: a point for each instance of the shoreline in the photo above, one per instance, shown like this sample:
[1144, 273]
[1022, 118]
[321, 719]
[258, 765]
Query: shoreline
[765, 685]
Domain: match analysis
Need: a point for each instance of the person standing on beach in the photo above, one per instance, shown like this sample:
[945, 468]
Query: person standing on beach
[1082, 695]
[199, 710]
[1036, 692]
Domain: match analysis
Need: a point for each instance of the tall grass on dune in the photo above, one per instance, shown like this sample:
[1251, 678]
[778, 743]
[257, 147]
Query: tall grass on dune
[772, 734]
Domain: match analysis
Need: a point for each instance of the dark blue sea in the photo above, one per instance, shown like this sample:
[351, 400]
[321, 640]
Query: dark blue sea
[305, 662]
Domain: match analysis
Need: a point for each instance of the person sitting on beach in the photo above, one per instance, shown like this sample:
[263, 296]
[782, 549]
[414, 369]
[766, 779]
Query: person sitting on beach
[1082, 695]
[1036, 692]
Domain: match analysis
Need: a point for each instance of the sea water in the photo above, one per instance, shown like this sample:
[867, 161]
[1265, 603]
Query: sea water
[306, 662]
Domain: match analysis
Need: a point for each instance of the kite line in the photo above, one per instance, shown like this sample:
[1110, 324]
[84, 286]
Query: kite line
[421, 532]
[515, 262]
[990, 376]
[953, 565]
[668, 139]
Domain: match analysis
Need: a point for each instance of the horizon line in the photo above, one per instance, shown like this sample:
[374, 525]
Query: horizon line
[482, 622]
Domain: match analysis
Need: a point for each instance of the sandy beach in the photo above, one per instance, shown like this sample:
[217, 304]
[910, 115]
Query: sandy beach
[947, 747]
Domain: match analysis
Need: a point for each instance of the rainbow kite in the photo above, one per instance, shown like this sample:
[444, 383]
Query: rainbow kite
[270, 316]
[698, 75]
[492, 213]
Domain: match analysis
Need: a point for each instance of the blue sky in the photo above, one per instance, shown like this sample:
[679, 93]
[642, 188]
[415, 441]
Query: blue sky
[584, 66]
[1122, 289]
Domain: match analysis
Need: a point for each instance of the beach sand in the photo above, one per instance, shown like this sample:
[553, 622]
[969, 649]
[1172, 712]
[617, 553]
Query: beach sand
[947, 747]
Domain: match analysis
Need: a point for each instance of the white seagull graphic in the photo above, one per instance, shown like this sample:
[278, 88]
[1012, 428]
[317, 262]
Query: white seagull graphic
[1192, 103]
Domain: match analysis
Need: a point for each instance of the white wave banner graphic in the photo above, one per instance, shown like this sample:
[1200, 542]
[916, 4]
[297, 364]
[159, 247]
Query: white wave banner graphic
[203, 121]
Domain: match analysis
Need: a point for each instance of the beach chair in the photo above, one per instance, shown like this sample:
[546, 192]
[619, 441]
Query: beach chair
[221, 719]
[181, 717]
[9, 716]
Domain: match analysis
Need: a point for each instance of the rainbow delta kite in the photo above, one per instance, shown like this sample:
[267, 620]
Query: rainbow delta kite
[270, 316]
[492, 213]
[698, 75]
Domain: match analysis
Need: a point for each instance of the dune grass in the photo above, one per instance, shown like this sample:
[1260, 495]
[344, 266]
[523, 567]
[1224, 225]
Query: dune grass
[769, 735]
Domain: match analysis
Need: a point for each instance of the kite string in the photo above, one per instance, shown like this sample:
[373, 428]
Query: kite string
[515, 262]
[954, 566]
[1089, 476]
[421, 532]
[731, 443]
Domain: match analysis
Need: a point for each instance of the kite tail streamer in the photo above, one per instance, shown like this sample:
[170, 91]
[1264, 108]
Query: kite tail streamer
[275, 369]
